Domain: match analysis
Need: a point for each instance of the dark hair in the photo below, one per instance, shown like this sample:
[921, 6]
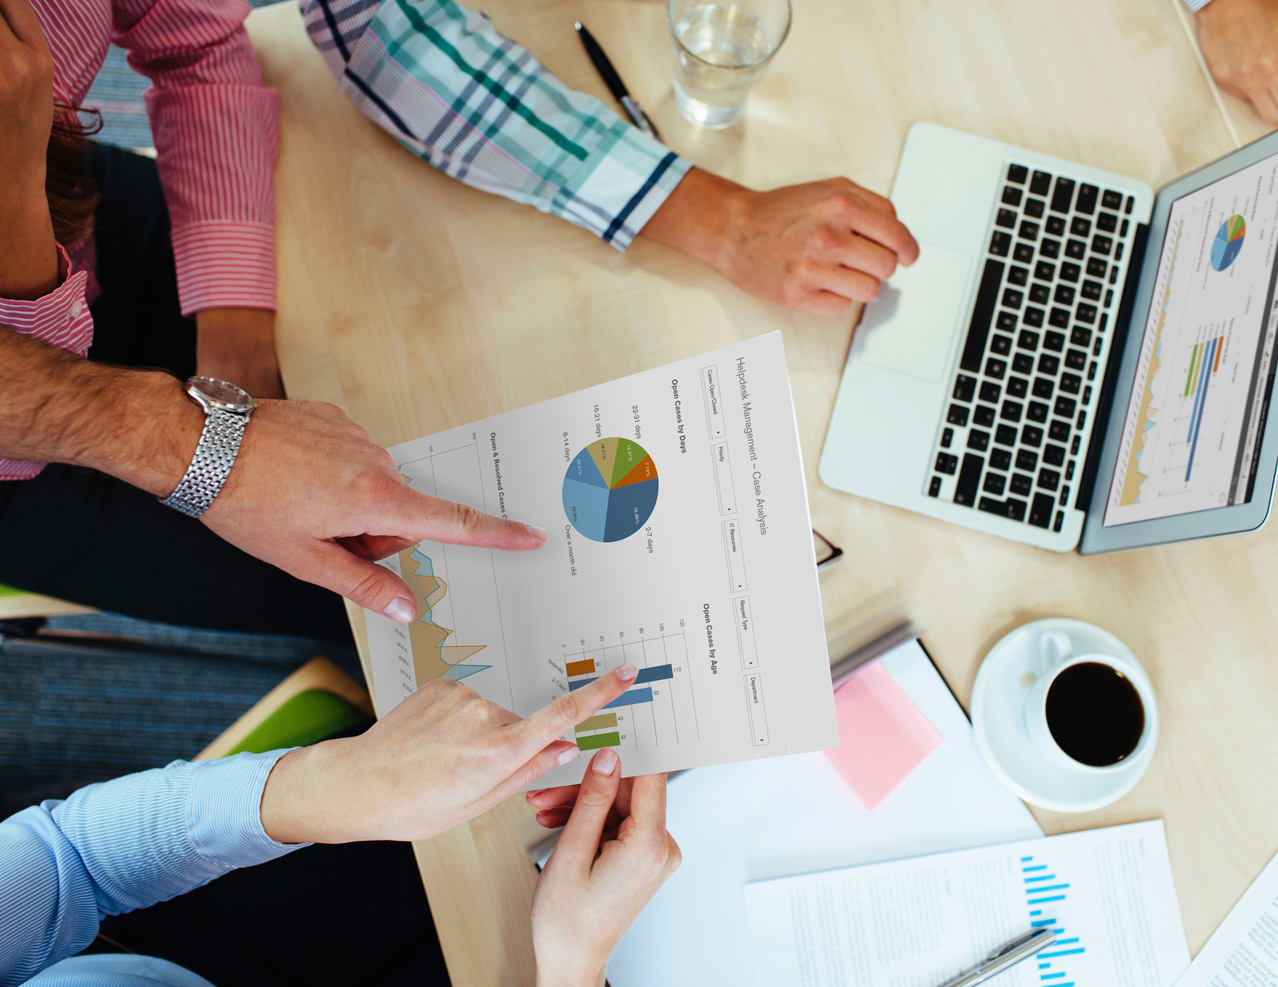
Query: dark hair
[71, 192]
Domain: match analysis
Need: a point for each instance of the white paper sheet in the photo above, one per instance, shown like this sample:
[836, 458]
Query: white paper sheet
[679, 540]
[1243, 951]
[792, 815]
[1108, 894]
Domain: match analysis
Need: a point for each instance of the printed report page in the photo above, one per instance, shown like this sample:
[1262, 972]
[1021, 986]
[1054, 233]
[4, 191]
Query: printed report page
[679, 541]
[1201, 395]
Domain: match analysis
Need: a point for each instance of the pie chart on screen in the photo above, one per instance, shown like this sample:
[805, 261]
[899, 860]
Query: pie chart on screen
[610, 489]
[1229, 240]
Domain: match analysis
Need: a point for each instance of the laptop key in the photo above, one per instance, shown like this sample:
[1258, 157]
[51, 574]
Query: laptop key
[1028, 230]
[1102, 245]
[1091, 290]
[1048, 479]
[1054, 455]
[990, 392]
[1006, 321]
[1012, 411]
[995, 368]
[1069, 272]
[1036, 412]
[1069, 470]
[1012, 299]
[1023, 252]
[1076, 249]
[946, 463]
[934, 488]
[1044, 271]
[1070, 383]
[1086, 199]
[1032, 316]
[1076, 359]
[994, 484]
[1073, 446]
[1111, 199]
[1064, 497]
[1041, 182]
[1018, 276]
[1027, 340]
[1058, 430]
[1001, 459]
[1012, 195]
[964, 388]
[1017, 386]
[1048, 364]
[1049, 248]
[1040, 514]
[1096, 267]
[1006, 218]
[1040, 294]
[1107, 222]
[1064, 294]
[946, 438]
[969, 479]
[1059, 318]
[1054, 341]
[984, 415]
[1055, 225]
[978, 440]
[957, 415]
[978, 329]
[1005, 435]
[1010, 508]
[1079, 226]
[1065, 407]
[1063, 194]
[1060, 520]
[1034, 208]
[1085, 313]
[1002, 345]
[1127, 207]
[1043, 387]
[1018, 173]
[1022, 363]
[1021, 484]
[1000, 243]
[1026, 460]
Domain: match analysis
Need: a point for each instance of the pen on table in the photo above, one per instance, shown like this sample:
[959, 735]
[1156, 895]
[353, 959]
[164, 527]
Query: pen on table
[603, 65]
[1009, 954]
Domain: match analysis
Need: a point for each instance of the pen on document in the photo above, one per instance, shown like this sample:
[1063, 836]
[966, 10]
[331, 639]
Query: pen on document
[613, 81]
[1009, 954]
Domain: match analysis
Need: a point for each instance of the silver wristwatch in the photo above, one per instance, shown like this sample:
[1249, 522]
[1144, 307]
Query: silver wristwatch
[228, 409]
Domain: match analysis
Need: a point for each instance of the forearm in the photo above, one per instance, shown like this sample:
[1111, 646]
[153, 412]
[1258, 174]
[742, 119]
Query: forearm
[56, 407]
[697, 215]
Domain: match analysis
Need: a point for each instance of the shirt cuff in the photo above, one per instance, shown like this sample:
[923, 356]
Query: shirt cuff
[224, 811]
[1196, 5]
[224, 265]
[628, 187]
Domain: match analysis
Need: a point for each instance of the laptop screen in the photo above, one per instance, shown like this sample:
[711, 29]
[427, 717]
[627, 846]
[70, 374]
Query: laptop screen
[1206, 370]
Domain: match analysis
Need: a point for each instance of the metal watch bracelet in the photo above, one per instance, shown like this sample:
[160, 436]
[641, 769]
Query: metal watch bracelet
[211, 464]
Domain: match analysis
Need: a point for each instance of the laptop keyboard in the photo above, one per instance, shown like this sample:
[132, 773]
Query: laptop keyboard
[1016, 426]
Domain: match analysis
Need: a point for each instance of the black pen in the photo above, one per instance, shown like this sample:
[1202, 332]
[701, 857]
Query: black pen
[613, 81]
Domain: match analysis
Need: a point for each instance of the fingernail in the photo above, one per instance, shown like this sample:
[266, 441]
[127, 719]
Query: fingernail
[541, 534]
[569, 755]
[628, 671]
[401, 611]
[604, 761]
[534, 793]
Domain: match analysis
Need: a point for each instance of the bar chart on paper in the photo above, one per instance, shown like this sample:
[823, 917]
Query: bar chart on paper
[1045, 892]
[659, 708]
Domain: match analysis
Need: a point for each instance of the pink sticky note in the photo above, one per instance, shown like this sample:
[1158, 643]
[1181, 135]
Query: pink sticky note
[882, 734]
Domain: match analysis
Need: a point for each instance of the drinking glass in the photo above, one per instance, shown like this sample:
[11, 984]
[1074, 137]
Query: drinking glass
[721, 50]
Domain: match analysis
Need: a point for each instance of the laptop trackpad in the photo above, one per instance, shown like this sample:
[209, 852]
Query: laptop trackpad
[910, 327]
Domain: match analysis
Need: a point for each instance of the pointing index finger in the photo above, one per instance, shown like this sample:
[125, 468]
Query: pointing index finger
[567, 711]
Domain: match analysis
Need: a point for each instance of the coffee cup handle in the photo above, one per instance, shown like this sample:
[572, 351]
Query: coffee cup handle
[1055, 647]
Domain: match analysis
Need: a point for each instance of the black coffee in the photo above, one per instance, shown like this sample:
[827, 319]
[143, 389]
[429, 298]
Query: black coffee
[1095, 714]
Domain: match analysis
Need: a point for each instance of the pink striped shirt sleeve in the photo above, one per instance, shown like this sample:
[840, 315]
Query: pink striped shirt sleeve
[216, 130]
[60, 318]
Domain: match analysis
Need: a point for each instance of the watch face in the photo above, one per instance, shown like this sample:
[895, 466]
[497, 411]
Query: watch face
[213, 394]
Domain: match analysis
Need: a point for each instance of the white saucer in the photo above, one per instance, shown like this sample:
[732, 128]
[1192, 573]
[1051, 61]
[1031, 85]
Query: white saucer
[998, 717]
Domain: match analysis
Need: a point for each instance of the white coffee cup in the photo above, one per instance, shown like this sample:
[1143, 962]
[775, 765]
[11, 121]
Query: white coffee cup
[1058, 654]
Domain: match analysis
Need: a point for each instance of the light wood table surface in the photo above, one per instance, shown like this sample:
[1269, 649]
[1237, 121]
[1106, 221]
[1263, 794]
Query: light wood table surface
[418, 304]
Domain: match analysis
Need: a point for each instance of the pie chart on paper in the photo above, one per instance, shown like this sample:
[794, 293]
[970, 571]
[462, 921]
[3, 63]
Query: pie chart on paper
[610, 489]
[1229, 240]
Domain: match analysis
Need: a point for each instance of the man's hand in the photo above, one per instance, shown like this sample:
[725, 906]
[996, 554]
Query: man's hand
[816, 247]
[610, 860]
[238, 345]
[1239, 41]
[29, 258]
[442, 756]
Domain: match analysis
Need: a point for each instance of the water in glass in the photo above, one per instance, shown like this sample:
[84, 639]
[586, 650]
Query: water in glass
[721, 51]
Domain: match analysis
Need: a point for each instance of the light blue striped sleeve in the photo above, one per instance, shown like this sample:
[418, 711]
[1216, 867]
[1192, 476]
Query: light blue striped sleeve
[441, 80]
[121, 845]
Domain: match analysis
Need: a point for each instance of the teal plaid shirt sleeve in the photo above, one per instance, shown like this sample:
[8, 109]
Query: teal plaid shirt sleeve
[441, 80]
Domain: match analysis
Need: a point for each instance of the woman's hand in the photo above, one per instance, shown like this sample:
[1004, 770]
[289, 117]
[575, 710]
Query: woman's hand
[29, 261]
[1239, 42]
[442, 756]
[612, 856]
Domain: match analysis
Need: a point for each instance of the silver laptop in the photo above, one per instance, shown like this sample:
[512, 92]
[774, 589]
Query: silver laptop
[1074, 360]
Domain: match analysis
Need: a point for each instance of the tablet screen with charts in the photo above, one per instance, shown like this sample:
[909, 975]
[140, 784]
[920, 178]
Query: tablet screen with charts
[1200, 396]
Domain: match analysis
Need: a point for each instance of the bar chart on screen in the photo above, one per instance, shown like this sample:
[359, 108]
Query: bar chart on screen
[660, 707]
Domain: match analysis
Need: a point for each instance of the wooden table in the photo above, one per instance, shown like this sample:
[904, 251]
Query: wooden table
[418, 304]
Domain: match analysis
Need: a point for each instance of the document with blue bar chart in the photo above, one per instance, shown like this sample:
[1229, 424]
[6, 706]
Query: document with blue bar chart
[1106, 893]
[1200, 398]
[679, 541]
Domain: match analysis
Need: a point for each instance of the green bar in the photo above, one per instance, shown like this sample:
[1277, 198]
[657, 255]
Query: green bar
[598, 740]
[1192, 360]
[604, 721]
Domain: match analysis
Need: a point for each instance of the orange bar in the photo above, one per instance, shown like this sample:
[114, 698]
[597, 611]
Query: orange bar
[1220, 345]
[586, 667]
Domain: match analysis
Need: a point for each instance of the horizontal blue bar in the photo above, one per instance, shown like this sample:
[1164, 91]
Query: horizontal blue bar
[1039, 912]
[1051, 897]
[1044, 966]
[654, 674]
[574, 686]
[1065, 942]
[1041, 877]
[631, 698]
[1026, 860]
[1050, 976]
[1061, 952]
[1052, 887]
[1042, 921]
[1026, 870]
